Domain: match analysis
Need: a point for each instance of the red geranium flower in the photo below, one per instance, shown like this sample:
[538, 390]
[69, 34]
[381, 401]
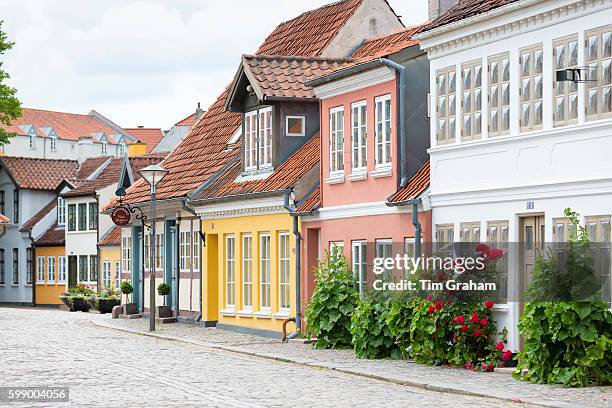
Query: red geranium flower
[482, 248]
[438, 305]
[484, 322]
[500, 346]
[459, 319]
[477, 333]
[455, 337]
[474, 318]
[490, 367]
[489, 303]
[494, 253]
[507, 355]
[430, 309]
[468, 366]
[464, 327]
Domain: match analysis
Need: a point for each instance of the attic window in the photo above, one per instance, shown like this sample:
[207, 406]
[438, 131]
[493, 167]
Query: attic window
[296, 126]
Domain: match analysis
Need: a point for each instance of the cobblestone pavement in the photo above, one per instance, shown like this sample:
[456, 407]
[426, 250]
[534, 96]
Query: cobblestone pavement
[105, 367]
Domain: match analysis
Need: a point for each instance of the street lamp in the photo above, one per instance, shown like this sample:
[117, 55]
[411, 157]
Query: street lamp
[152, 174]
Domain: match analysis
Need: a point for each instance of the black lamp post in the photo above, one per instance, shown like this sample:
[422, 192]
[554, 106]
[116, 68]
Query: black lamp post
[153, 175]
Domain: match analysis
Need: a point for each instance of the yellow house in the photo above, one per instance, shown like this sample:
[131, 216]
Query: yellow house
[109, 248]
[51, 269]
[249, 248]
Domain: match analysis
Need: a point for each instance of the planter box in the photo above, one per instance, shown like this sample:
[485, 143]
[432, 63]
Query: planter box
[163, 311]
[106, 305]
[130, 308]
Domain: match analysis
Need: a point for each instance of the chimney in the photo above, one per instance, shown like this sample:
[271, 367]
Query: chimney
[140, 127]
[439, 7]
[199, 111]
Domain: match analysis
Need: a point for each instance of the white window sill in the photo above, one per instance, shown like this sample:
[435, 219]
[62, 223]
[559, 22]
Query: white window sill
[2, 285]
[382, 171]
[263, 314]
[15, 285]
[283, 314]
[335, 178]
[500, 307]
[245, 313]
[228, 312]
[261, 174]
[358, 175]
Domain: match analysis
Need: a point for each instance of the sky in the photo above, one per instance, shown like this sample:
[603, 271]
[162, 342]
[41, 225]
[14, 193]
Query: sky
[140, 62]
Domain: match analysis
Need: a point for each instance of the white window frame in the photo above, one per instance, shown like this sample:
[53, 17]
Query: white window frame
[359, 263]
[195, 252]
[498, 107]
[336, 244]
[32, 140]
[359, 137]
[564, 90]
[247, 264]
[230, 271]
[470, 232]
[264, 142]
[40, 269]
[104, 147]
[301, 118]
[471, 102]
[284, 262]
[62, 269]
[51, 269]
[250, 138]
[106, 274]
[117, 274]
[147, 251]
[265, 263]
[595, 66]
[126, 252]
[383, 130]
[336, 141]
[53, 142]
[61, 211]
[530, 98]
[446, 105]
[121, 147]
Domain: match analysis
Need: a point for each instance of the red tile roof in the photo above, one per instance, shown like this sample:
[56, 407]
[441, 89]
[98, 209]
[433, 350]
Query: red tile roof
[69, 126]
[309, 33]
[285, 77]
[466, 9]
[283, 177]
[188, 121]
[111, 238]
[54, 236]
[28, 225]
[311, 203]
[415, 187]
[389, 44]
[89, 166]
[148, 136]
[39, 174]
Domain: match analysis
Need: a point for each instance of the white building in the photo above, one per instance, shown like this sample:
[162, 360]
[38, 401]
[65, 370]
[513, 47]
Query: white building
[511, 147]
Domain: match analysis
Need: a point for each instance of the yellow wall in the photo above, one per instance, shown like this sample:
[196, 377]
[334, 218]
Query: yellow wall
[214, 265]
[47, 293]
[137, 149]
[110, 254]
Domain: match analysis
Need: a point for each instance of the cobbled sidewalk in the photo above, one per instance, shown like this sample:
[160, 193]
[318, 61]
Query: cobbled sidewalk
[455, 381]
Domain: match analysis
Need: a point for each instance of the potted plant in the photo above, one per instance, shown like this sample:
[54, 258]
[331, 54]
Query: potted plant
[163, 289]
[127, 289]
[77, 298]
[107, 299]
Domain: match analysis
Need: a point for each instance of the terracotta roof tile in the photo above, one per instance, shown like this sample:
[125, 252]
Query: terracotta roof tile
[188, 121]
[415, 187]
[285, 77]
[311, 203]
[39, 174]
[466, 9]
[389, 44]
[54, 236]
[148, 136]
[283, 177]
[111, 238]
[89, 166]
[309, 33]
[69, 126]
[28, 225]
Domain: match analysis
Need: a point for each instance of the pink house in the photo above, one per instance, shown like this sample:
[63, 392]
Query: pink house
[374, 161]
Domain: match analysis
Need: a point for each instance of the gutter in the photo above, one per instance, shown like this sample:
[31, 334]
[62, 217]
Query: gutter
[401, 90]
[262, 194]
[415, 221]
[344, 73]
[298, 268]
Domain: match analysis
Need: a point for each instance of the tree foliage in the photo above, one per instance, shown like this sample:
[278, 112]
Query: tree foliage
[10, 107]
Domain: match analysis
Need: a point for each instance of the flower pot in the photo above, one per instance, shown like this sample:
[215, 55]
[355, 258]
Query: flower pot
[80, 304]
[106, 305]
[163, 311]
[130, 308]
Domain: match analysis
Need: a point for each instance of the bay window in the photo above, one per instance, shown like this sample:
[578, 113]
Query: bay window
[565, 102]
[359, 135]
[336, 140]
[258, 139]
[446, 106]
[383, 130]
[471, 125]
[531, 89]
[598, 56]
[499, 94]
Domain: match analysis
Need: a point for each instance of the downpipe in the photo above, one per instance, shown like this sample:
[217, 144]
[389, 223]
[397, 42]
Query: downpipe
[297, 319]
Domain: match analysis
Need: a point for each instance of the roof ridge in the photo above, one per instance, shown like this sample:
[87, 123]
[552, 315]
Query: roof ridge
[299, 57]
[55, 111]
[315, 10]
[38, 158]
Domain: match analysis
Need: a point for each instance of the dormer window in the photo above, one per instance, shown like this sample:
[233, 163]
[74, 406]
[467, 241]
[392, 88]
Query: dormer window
[104, 147]
[258, 139]
[32, 139]
[121, 148]
[53, 141]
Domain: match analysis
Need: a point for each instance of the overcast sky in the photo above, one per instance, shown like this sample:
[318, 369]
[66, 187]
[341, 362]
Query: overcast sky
[140, 62]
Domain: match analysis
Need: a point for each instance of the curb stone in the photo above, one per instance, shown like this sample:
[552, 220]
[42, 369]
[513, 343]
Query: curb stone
[414, 384]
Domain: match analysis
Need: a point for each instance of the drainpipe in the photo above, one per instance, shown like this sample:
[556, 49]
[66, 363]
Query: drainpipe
[187, 208]
[298, 269]
[417, 226]
[401, 90]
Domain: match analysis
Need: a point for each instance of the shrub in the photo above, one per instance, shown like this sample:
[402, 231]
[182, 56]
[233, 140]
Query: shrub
[163, 289]
[127, 289]
[328, 316]
[398, 320]
[372, 337]
[566, 340]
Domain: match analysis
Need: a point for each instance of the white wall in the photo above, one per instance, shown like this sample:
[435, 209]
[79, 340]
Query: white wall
[19, 146]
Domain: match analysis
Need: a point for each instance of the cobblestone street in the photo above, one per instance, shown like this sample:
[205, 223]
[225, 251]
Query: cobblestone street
[105, 367]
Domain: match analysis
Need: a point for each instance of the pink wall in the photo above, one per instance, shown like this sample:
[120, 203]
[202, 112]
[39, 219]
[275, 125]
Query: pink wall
[370, 189]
